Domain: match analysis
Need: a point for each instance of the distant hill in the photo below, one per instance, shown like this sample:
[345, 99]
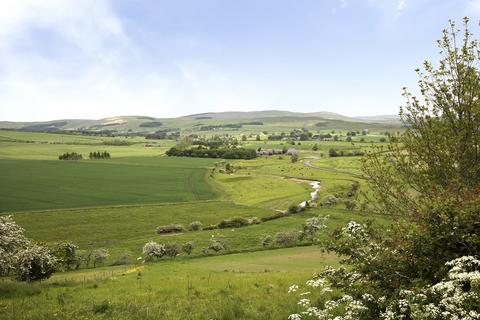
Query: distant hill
[229, 120]
[267, 114]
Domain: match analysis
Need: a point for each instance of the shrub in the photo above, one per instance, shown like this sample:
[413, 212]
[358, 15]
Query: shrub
[235, 222]
[70, 156]
[170, 228]
[216, 245]
[34, 263]
[195, 226]
[82, 256]
[276, 215]
[99, 256]
[211, 227]
[330, 200]
[294, 209]
[266, 241]
[172, 249]
[65, 252]
[12, 240]
[187, 247]
[350, 204]
[152, 250]
[254, 220]
[284, 239]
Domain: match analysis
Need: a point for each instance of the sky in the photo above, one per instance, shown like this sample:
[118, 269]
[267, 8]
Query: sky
[93, 59]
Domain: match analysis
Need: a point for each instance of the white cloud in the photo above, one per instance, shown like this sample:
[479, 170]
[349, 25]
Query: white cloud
[91, 76]
[94, 75]
[401, 4]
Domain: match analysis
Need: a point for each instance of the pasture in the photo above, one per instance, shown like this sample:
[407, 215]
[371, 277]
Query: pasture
[117, 204]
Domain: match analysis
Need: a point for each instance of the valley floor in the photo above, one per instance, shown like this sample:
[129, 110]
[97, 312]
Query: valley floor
[117, 204]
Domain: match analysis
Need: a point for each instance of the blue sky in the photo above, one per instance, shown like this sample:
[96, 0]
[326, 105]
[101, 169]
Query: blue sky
[100, 58]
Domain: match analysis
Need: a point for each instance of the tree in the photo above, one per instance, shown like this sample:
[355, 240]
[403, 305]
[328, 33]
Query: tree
[428, 179]
[34, 263]
[332, 152]
[65, 252]
[172, 249]
[311, 228]
[315, 147]
[12, 240]
[294, 158]
[187, 247]
[99, 256]
[257, 138]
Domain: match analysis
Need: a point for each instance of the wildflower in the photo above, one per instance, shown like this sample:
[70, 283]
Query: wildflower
[292, 288]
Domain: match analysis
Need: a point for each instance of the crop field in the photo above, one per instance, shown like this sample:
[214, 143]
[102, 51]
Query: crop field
[118, 203]
[33, 184]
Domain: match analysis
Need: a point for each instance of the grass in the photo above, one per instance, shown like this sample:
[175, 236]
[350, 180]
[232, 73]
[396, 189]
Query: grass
[238, 286]
[117, 204]
[32, 184]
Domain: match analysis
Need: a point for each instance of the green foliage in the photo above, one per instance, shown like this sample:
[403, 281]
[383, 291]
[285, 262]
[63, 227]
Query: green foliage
[428, 178]
[170, 228]
[235, 222]
[70, 156]
[172, 249]
[99, 155]
[187, 247]
[65, 252]
[231, 153]
[216, 245]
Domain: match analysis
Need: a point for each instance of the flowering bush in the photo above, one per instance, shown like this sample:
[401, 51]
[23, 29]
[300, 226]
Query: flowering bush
[153, 250]
[457, 297]
[34, 263]
[99, 256]
[195, 226]
[311, 227]
[12, 240]
[288, 238]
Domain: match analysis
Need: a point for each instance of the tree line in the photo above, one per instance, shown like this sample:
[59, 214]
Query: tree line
[224, 153]
[99, 155]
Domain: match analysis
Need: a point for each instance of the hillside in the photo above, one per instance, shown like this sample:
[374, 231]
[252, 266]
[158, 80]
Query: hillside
[266, 120]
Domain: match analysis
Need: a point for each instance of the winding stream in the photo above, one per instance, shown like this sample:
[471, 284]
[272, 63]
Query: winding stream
[313, 195]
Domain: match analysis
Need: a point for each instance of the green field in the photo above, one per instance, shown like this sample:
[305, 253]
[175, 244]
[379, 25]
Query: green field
[32, 184]
[238, 286]
[117, 204]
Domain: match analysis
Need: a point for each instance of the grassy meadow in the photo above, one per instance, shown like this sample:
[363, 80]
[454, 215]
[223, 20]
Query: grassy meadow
[118, 203]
